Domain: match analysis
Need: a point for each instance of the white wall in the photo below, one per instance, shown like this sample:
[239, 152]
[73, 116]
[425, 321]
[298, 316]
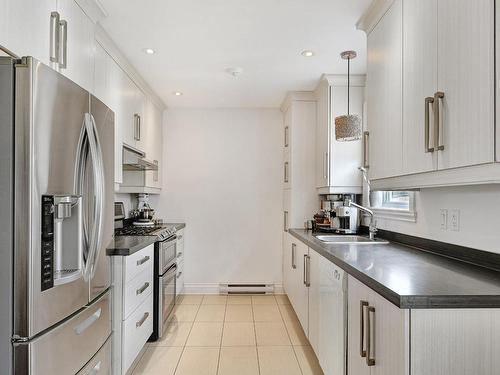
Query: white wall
[479, 216]
[223, 177]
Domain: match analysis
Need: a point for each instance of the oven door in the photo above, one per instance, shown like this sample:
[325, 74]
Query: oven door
[166, 297]
[166, 254]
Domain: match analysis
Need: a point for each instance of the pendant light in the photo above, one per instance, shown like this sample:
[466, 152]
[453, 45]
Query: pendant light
[348, 127]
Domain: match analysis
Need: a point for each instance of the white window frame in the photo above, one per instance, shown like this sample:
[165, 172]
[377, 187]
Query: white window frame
[394, 213]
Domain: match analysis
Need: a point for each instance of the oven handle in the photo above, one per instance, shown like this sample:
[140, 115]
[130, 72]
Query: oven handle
[168, 240]
[170, 270]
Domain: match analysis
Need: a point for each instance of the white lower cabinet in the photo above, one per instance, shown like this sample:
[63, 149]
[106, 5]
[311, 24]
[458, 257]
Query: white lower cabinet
[132, 306]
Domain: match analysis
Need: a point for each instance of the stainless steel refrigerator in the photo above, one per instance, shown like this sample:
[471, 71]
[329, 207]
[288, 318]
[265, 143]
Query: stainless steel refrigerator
[56, 200]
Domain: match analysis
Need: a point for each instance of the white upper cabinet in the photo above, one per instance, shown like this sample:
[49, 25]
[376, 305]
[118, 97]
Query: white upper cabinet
[337, 162]
[25, 27]
[77, 53]
[439, 57]
[466, 76]
[154, 142]
[384, 90]
[420, 82]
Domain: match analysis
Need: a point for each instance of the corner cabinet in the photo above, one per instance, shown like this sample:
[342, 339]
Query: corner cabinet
[431, 93]
[337, 162]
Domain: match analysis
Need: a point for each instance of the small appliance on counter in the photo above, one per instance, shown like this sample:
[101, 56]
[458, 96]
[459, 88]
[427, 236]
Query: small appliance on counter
[144, 214]
[336, 216]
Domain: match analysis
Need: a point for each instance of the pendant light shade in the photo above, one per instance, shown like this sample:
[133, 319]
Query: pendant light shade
[348, 127]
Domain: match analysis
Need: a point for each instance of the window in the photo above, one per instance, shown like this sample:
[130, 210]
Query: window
[397, 205]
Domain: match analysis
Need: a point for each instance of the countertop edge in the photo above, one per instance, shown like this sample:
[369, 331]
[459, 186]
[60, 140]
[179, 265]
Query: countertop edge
[405, 301]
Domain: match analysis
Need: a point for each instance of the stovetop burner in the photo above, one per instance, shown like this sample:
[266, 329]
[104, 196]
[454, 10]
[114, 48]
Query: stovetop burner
[161, 231]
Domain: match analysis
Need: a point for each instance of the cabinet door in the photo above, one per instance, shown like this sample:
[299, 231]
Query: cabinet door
[129, 124]
[301, 305]
[322, 134]
[384, 88]
[80, 44]
[154, 142]
[466, 57]
[388, 339]
[101, 84]
[143, 125]
[358, 300]
[25, 27]
[316, 291]
[288, 264]
[419, 82]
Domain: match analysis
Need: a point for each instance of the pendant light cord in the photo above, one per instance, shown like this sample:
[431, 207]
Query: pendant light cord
[348, 82]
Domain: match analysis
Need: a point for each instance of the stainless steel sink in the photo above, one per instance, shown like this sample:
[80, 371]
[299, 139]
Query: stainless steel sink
[348, 239]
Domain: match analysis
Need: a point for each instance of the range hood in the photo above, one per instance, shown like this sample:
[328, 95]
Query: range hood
[135, 160]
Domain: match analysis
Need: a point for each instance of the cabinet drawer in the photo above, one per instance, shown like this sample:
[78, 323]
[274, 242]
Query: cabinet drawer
[136, 331]
[138, 262]
[179, 283]
[136, 291]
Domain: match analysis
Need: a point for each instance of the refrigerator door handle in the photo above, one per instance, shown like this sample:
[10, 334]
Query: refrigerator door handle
[89, 145]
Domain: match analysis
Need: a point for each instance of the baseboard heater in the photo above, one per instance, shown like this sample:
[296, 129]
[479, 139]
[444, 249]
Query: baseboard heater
[246, 288]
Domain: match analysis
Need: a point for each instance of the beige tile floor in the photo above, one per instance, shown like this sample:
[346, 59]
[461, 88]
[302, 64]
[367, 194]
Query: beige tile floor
[235, 335]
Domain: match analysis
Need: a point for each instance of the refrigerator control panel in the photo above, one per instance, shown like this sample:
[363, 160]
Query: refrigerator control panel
[47, 253]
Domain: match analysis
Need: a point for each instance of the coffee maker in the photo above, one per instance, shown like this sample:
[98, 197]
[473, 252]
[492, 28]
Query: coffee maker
[343, 219]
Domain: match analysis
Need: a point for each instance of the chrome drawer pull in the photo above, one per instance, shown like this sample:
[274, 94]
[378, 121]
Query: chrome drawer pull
[141, 322]
[369, 360]
[362, 305]
[428, 101]
[82, 327]
[142, 289]
[143, 260]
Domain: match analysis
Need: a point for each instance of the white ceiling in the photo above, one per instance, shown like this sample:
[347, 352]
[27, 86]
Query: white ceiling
[197, 40]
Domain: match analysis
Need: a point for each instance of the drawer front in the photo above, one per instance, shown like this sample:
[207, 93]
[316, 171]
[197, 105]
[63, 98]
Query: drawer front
[138, 262]
[136, 331]
[54, 352]
[100, 364]
[136, 291]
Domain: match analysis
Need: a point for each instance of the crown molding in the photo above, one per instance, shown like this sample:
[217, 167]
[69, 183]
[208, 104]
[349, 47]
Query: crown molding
[373, 15]
[297, 96]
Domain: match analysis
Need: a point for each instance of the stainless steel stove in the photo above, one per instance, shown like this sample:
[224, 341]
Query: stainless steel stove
[160, 231]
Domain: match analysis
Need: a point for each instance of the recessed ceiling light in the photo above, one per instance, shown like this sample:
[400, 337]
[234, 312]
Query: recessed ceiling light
[307, 53]
[235, 71]
[149, 51]
[178, 93]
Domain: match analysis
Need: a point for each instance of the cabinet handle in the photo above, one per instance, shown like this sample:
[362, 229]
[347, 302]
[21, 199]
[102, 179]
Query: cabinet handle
[362, 305]
[136, 127]
[369, 360]
[142, 289]
[155, 174]
[63, 39]
[139, 126]
[179, 255]
[294, 249]
[179, 236]
[143, 260]
[286, 136]
[179, 274]
[307, 281]
[428, 101]
[141, 322]
[54, 37]
[438, 97]
[325, 166]
[366, 138]
[285, 221]
[95, 369]
[285, 171]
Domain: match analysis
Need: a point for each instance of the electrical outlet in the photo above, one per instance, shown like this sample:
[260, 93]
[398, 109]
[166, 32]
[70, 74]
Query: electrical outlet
[454, 223]
[444, 219]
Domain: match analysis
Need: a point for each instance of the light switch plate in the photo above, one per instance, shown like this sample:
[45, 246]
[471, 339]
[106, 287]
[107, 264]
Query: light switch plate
[454, 223]
[444, 218]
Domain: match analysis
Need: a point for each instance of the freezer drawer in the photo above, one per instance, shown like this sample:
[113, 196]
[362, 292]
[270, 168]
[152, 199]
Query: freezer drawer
[100, 364]
[65, 349]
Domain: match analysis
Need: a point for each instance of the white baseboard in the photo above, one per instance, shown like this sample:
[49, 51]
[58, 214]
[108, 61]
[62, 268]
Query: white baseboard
[213, 288]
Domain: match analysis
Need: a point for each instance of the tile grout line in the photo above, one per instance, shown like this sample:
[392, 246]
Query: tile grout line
[255, 335]
[221, 337]
[289, 338]
[187, 338]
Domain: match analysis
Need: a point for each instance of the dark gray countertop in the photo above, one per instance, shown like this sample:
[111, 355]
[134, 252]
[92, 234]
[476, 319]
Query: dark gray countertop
[412, 278]
[127, 245]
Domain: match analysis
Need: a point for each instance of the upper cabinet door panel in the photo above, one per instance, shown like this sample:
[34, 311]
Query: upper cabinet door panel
[466, 35]
[419, 82]
[384, 88]
[322, 134]
[80, 44]
[25, 27]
